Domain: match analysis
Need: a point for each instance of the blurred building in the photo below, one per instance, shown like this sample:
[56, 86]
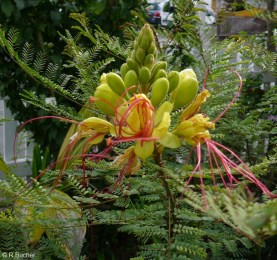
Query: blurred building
[233, 17]
[22, 149]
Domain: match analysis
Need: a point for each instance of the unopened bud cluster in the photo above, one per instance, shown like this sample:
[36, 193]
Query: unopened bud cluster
[141, 73]
[139, 100]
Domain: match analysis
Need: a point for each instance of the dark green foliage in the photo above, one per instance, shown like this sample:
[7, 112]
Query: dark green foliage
[138, 207]
[40, 161]
[39, 23]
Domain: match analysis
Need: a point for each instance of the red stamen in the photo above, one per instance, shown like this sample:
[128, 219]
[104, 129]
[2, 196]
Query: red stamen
[141, 107]
[133, 139]
[232, 101]
[197, 168]
[205, 79]
[35, 119]
[242, 169]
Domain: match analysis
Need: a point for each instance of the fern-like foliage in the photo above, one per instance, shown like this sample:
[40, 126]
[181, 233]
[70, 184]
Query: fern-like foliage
[88, 64]
[138, 206]
[256, 220]
[38, 221]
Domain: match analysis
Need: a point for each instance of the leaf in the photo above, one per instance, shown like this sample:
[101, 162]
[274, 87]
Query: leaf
[86, 200]
[7, 7]
[36, 163]
[20, 4]
[46, 158]
[67, 210]
[4, 167]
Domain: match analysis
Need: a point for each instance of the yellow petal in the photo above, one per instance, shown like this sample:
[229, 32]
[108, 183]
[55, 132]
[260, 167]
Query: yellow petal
[134, 121]
[187, 132]
[185, 124]
[128, 162]
[165, 107]
[163, 126]
[97, 124]
[144, 149]
[194, 107]
[170, 140]
[97, 140]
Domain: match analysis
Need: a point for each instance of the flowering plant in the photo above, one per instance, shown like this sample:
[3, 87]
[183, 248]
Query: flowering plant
[138, 104]
[140, 115]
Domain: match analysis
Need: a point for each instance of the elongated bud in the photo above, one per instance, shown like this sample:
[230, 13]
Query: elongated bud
[132, 65]
[149, 61]
[144, 75]
[105, 99]
[160, 74]
[144, 46]
[187, 73]
[144, 43]
[146, 30]
[123, 70]
[158, 66]
[116, 83]
[152, 48]
[136, 44]
[185, 92]
[159, 91]
[140, 55]
[173, 78]
[131, 79]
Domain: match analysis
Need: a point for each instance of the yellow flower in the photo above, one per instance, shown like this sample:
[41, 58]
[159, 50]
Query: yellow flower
[138, 121]
[135, 120]
[93, 127]
[195, 129]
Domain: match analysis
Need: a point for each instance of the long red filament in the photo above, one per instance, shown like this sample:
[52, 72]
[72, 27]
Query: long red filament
[232, 101]
[35, 119]
[242, 169]
[146, 115]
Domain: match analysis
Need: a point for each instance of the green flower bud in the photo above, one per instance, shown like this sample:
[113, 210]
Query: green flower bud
[146, 30]
[149, 61]
[159, 91]
[152, 48]
[140, 55]
[159, 65]
[144, 44]
[144, 75]
[136, 45]
[131, 79]
[103, 79]
[132, 65]
[123, 70]
[173, 78]
[116, 83]
[106, 100]
[185, 92]
[160, 74]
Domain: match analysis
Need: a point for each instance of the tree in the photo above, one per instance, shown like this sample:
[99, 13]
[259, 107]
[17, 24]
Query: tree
[39, 23]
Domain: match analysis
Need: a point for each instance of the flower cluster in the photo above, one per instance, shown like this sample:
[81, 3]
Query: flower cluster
[138, 104]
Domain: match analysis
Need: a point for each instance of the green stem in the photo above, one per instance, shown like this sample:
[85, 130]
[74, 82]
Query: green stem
[171, 217]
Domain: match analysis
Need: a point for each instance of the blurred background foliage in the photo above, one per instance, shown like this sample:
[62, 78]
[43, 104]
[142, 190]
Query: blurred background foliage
[39, 22]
